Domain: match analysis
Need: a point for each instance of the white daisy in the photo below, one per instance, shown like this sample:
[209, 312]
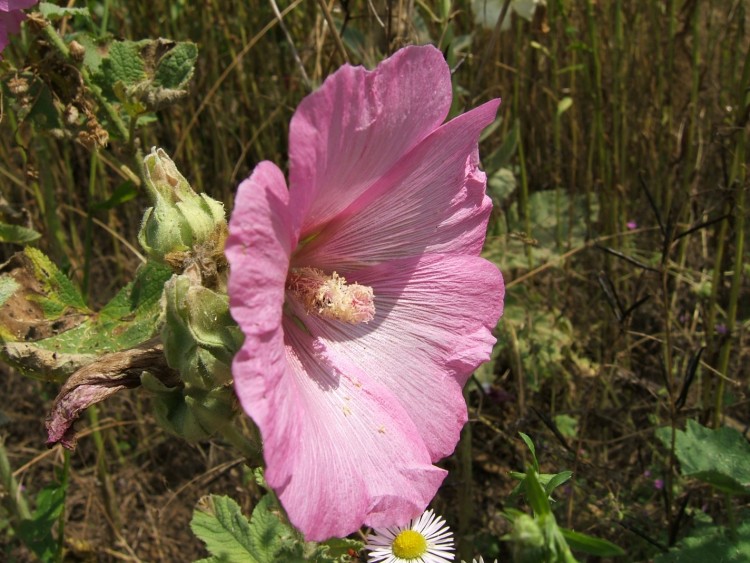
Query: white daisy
[426, 539]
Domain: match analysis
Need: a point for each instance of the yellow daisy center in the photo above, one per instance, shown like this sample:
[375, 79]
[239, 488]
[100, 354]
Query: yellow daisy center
[409, 545]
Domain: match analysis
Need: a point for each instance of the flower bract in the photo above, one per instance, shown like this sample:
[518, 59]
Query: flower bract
[363, 299]
[427, 539]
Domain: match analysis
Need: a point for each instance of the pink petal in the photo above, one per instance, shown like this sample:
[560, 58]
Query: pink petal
[332, 467]
[9, 23]
[432, 328]
[353, 129]
[258, 248]
[340, 451]
[433, 200]
[11, 5]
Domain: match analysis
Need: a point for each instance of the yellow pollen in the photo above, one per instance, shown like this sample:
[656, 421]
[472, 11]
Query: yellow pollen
[330, 296]
[409, 545]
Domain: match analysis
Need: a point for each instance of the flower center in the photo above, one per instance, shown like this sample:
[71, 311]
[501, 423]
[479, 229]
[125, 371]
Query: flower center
[409, 545]
[329, 296]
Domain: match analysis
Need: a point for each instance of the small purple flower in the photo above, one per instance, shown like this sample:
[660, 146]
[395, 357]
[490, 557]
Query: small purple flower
[631, 225]
[721, 328]
[658, 484]
[647, 473]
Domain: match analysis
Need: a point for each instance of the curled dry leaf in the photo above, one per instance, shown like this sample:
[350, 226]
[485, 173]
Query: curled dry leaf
[101, 379]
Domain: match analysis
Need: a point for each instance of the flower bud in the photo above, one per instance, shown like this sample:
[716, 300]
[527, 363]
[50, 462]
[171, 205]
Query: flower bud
[528, 540]
[180, 218]
[199, 335]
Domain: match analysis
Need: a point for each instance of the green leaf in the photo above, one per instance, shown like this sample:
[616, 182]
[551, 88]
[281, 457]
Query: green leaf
[54, 12]
[557, 480]
[535, 494]
[229, 536]
[131, 317]
[718, 457]
[530, 444]
[502, 156]
[268, 532]
[49, 332]
[37, 532]
[60, 293]
[123, 193]
[8, 286]
[175, 68]
[711, 543]
[16, 234]
[567, 425]
[591, 545]
[220, 524]
[124, 63]
[564, 105]
[147, 75]
[338, 549]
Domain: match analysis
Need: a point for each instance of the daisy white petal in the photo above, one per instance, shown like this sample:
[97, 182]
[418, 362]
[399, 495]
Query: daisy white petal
[426, 539]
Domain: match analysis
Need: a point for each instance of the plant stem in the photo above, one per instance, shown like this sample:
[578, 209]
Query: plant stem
[249, 449]
[15, 500]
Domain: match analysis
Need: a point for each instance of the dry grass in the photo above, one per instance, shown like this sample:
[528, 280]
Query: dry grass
[655, 133]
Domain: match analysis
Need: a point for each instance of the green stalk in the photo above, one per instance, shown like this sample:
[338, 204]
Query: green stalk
[107, 488]
[14, 498]
[247, 448]
[523, 197]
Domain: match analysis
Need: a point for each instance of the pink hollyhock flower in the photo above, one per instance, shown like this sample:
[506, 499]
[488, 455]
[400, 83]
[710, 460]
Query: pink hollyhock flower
[11, 17]
[362, 296]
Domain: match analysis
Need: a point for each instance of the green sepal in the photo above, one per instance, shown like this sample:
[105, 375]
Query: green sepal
[200, 336]
[192, 414]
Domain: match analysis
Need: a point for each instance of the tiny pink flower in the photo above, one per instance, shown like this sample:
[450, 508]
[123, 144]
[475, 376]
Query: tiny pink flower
[631, 225]
[362, 296]
[658, 484]
[11, 17]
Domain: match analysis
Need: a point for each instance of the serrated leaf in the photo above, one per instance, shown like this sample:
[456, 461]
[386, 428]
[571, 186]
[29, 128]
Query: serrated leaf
[220, 524]
[719, 457]
[147, 75]
[591, 545]
[124, 63]
[59, 290]
[229, 536]
[337, 550]
[131, 317]
[16, 234]
[94, 51]
[711, 543]
[175, 68]
[48, 346]
[54, 12]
